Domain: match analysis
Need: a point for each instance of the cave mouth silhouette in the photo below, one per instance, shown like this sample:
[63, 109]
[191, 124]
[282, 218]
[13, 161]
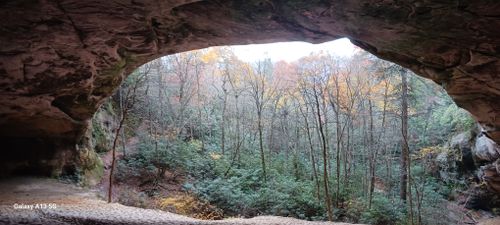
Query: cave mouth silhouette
[59, 60]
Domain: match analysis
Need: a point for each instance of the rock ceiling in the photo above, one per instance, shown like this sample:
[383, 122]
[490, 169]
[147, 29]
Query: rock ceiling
[60, 59]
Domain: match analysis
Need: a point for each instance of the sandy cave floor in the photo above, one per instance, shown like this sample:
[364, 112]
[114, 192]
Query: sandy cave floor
[60, 203]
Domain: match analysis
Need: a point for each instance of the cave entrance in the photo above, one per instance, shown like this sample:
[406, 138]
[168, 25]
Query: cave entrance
[61, 60]
[212, 113]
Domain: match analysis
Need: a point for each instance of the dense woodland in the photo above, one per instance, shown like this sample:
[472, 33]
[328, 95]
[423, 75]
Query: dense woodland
[322, 138]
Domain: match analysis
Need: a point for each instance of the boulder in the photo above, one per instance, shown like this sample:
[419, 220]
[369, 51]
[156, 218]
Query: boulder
[461, 148]
[485, 150]
[473, 160]
[447, 161]
[482, 198]
[490, 176]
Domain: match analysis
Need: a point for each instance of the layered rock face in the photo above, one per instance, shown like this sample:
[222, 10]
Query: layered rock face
[473, 159]
[60, 59]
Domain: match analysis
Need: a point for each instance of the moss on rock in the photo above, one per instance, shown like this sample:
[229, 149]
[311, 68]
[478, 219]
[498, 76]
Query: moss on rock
[93, 168]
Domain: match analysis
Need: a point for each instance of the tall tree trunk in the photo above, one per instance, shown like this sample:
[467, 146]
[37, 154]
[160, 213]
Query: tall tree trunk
[404, 132]
[223, 125]
[347, 151]
[238, 132]
[261, 145]
[325, 158]
[129, 101]
[337, 122]
[365, 155]
[271, 144]
[123, 130]
[198, 96]
[336, 108]
[373, 155]
[324, 106]
[113, 159]
[382, 138]
[311, 151]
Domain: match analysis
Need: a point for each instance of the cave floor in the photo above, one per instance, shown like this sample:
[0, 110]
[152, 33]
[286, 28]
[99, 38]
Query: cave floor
[49, 201]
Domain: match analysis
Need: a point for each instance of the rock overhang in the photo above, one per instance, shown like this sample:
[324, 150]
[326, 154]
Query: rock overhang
[59, 60]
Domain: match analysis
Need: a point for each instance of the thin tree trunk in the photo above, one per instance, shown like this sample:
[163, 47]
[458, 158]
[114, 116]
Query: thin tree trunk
[337, 122]
[404, 131]
[325, 160]
[123, 130]
[223, 125]
[113, 159]
[347, 158]
[128, 103]
[373, 156]
[238, 132]
[261, 145]
[311, 151]
[410, 196]
[198, 95]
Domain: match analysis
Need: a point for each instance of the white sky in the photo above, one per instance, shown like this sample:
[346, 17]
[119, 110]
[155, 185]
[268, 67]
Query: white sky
[291, 51]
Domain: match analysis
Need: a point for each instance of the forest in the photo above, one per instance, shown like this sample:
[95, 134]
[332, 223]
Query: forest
[354, 139]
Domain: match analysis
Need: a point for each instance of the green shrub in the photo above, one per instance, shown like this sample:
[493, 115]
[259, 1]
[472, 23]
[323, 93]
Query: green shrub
[244, 194]
[383, 212]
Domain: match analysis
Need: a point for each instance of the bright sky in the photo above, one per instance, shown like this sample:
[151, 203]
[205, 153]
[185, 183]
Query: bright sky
[291, 51]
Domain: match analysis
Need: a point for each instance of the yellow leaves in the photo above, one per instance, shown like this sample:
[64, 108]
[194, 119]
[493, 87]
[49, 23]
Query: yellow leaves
[196, 144]
[380, 87]
[217, 54]
[283, 101]
[190, 206]
[215, 156]
[180, 204]
[209, 56]
[240, 72]
[340, 89]
[432, 151]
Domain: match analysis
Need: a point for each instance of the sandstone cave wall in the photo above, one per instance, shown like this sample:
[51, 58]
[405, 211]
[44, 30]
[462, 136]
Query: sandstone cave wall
[59, 60]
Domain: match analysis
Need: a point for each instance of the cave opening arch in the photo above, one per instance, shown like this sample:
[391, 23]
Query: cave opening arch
[61, 59]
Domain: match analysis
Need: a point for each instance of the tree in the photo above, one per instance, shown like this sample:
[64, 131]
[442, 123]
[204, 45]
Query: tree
[291, 139]
[325, 154]
[128, 102]
[404, 134]
[257, 84]
[305, 115]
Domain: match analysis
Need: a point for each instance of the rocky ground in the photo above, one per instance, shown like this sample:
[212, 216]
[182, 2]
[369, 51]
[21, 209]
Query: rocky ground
[57, 203]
